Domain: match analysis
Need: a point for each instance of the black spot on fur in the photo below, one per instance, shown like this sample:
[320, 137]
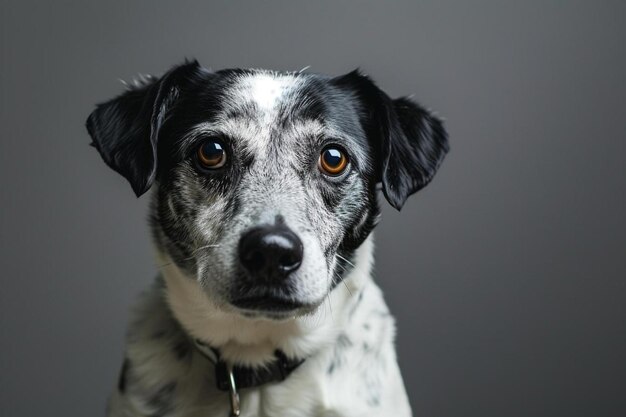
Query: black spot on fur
[371, 379]
[357, 303]
[342, 344]
[182, 349]
[123, 378]
[343, 341]
[161, 402]
[373, 399]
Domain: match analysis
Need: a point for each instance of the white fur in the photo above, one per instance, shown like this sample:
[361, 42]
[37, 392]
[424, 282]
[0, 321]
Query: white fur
[267, 90]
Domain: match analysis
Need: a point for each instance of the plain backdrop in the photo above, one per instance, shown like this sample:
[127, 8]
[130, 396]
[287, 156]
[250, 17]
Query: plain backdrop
[506, 275]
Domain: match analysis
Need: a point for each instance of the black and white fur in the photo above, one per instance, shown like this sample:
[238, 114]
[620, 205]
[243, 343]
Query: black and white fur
[274, 125]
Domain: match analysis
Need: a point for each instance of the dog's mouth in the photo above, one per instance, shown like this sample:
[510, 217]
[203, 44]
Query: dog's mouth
[267, 304]
[272, 306]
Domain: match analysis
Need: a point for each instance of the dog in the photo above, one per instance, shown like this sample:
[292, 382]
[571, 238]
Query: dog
[265, 188]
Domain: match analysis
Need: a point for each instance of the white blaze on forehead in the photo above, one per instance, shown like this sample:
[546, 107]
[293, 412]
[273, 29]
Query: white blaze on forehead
[267, 90]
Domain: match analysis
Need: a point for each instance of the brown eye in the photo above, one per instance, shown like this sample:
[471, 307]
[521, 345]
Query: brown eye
[333, 161]
[211, 154]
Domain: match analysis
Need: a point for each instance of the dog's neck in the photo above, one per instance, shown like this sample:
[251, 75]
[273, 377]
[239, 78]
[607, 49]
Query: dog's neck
[253, 341]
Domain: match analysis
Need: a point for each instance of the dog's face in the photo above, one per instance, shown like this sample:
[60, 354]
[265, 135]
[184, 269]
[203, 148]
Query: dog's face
[266, 181]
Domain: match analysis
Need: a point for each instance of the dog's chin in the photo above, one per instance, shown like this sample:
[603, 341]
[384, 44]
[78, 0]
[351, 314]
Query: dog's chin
[273, 308]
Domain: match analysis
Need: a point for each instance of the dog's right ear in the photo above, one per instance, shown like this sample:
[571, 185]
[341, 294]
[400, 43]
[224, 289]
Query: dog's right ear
[125, 130]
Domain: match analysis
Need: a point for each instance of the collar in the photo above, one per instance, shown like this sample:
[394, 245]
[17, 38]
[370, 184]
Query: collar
[231, 378]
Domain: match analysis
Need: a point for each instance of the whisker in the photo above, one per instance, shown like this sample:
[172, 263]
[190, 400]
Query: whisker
[347, 288]
[344, 269]
[343, 282]
[205, 247]
[164, 265]
[345, 260]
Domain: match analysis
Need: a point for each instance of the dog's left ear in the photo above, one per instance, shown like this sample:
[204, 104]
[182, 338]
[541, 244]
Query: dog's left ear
[125, 130]
[410, 141]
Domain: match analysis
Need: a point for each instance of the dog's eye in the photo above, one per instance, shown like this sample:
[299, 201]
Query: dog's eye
[211, 154]
[333, 161]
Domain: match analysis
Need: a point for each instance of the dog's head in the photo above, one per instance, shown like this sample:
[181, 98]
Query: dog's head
[266, 180]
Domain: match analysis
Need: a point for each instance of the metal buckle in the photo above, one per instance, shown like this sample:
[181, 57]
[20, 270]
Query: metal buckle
[235, 409]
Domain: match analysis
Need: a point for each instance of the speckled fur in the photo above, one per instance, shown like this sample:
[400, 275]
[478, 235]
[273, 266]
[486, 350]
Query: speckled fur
[274, 125]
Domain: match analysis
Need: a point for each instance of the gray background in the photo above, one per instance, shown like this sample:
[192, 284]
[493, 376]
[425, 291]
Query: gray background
[507, 274]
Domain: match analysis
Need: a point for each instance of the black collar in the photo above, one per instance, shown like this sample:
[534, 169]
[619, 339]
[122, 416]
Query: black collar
[244, 376]
[232, 378]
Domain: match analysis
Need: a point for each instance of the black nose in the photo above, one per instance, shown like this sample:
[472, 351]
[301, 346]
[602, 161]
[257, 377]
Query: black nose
[270, 252]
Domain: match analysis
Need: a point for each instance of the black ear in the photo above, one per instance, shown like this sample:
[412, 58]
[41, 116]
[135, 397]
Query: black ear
[125, 130]
[410, 142]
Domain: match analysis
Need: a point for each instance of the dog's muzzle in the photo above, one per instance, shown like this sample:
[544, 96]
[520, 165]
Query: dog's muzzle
[270, 256]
